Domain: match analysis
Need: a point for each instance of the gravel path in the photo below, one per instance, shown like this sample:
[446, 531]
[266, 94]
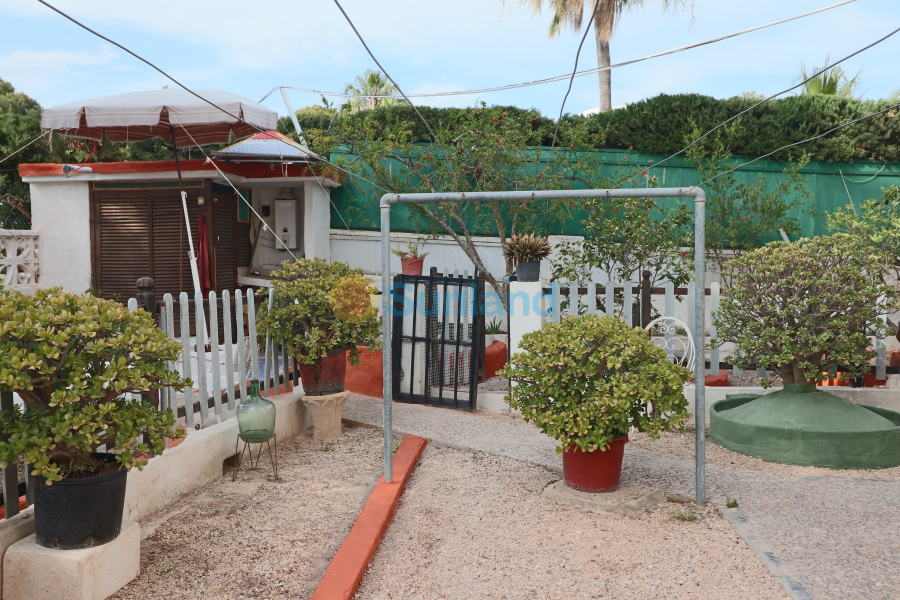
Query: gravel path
[257, 538]
[473, 525]
[837, 531]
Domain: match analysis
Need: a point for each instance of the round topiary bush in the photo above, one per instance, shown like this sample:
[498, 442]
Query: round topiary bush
[805, 307]
[71, 359]
[587, 380]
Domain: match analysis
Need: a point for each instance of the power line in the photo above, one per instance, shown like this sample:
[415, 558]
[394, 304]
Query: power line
[388, 75]
[565, 77]
[193, 93]
[763, 101]
[23, 147]
[562, 107]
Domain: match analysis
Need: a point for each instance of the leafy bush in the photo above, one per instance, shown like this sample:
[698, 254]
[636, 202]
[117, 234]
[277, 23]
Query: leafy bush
[527, 246]
[71, 359]
[658, 125]
[804, 308]
[413, 250]
[303, 311]
[587, 380]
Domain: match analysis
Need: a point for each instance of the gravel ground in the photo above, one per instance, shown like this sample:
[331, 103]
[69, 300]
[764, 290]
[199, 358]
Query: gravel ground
[494, 384]
[682, 446]
[258, 538]
[837, 531]
[472, 525]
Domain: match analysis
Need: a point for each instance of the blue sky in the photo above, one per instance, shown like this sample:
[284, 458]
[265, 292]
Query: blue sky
[428, 45]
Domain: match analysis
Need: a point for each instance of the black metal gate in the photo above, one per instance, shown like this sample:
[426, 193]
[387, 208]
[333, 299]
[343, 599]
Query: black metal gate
[436, 350]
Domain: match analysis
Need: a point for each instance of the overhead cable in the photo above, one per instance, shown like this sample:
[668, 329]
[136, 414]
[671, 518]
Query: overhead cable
[565, 77]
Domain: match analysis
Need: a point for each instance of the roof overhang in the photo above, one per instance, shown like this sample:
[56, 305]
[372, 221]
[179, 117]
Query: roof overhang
[251, 174]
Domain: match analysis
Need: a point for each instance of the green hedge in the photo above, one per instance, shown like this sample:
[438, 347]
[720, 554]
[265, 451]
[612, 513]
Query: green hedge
[659, 125]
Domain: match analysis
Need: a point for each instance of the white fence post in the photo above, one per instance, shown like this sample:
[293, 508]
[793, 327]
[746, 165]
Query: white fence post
[216, 373]
[229, 348]
[188, 391]
[713, 310]
[242, 362]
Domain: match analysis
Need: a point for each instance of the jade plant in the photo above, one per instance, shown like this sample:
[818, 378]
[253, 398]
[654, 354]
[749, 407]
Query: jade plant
[587, 380]
[527, 246]
[321, 307]
[804, 308]
[72, 359]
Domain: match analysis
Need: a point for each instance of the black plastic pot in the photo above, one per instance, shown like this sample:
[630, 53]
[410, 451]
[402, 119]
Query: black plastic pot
[528, 270]
[80, 512]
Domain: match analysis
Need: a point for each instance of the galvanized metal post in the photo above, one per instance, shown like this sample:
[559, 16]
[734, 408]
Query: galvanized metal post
[386, 371]
[699, 271]
[699, 343]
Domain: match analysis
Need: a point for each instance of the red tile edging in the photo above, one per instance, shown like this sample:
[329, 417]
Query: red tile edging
[346, 571]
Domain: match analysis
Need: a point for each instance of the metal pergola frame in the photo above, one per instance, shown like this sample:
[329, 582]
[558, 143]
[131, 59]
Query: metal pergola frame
[696, 193]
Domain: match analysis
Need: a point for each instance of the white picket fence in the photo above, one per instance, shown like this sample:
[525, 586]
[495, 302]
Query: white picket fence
[220, 363]
[574, 302]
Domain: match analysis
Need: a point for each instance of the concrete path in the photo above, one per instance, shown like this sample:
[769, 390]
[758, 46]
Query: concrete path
[839, 536]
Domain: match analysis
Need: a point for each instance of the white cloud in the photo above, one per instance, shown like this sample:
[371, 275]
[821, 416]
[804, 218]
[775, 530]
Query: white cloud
[34, 71]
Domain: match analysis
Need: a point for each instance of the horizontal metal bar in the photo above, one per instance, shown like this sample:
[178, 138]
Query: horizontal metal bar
[691, 192]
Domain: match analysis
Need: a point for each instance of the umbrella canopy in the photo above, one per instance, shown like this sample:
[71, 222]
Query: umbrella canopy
[139, 116]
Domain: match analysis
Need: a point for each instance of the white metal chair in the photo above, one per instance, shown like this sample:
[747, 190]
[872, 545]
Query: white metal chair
[672, 335]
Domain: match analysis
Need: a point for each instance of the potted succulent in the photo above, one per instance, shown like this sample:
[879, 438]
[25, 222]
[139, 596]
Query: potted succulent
[586, 381]
[491, 331]
[527, 250]
[71, 359]
[412, 259]
[321, 312]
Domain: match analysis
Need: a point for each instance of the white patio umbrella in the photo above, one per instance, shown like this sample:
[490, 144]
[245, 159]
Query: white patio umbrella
[175, 115]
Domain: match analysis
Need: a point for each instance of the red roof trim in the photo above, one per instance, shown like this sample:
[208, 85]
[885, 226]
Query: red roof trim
[245, 169]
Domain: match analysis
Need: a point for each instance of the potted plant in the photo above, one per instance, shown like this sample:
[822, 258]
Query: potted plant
[491, 331]
[321, 312]
[527, 250]
[586, 381]
[805, 309]
[71, 359]
[412, 259]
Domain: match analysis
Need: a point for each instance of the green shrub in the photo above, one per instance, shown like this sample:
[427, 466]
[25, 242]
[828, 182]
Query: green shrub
[303, 311]
[71, 359]
[804, 308]
[587, 380]
[659, 125]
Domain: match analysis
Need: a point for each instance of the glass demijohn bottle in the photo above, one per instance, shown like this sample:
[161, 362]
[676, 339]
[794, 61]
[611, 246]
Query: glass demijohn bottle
[256, 416]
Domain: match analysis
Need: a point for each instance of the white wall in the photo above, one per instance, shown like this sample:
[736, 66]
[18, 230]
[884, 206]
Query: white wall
[61, 212]
[362, 250]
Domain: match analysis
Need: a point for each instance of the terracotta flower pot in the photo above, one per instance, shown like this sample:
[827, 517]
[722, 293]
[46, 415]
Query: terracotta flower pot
[331, 376]
[595, 472]
[412, 266]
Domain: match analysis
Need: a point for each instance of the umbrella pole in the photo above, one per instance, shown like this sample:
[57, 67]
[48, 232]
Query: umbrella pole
[187, 221]
[195, 275]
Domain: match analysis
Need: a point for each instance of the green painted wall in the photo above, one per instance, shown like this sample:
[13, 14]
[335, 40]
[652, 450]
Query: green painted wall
[356, 204]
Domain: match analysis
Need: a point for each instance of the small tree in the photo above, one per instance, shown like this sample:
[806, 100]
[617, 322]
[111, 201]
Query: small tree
[875, 224]
[480, 149]
[623, 237]
[72, 359]
[739, 216]
[804, 308]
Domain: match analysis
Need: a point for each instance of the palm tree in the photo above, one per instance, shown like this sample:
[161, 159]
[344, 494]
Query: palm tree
[371, 83]
[570, 13]
[833, 82]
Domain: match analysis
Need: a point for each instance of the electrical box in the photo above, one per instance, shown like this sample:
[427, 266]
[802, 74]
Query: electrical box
[286, 223]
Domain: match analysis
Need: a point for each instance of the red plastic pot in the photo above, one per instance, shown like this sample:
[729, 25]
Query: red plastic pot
[412, 266]
[331, 376]
[594, 472]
